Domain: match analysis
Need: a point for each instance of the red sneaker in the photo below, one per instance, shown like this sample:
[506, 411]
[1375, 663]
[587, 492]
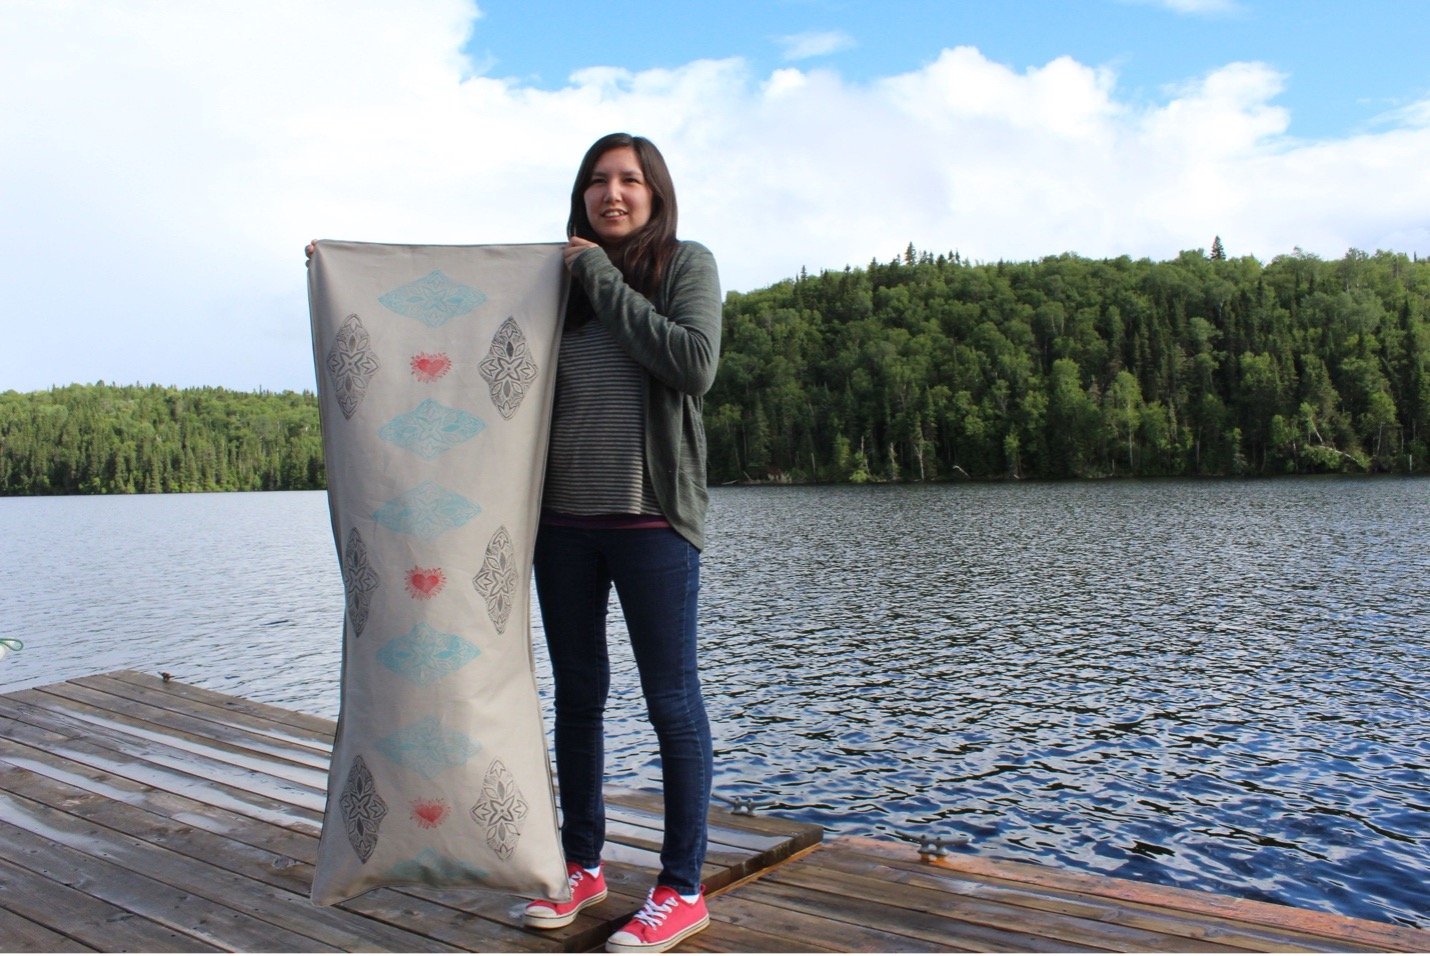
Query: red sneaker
[586, 890]
[663, 921]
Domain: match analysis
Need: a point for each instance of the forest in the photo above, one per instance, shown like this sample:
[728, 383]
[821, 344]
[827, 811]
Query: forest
[922, 368]
[928, 368]
[112, 439]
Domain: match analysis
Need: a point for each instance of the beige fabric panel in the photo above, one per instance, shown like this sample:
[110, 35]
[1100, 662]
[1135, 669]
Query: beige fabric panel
[436, 367]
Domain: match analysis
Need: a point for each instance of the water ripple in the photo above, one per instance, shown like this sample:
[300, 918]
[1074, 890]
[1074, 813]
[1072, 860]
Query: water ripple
[1216, 685]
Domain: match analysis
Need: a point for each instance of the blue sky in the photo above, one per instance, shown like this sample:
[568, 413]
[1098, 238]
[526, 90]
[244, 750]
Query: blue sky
[165, 162]
[1347, 63]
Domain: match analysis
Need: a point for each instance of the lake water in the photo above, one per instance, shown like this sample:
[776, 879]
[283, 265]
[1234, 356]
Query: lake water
[1218, 685]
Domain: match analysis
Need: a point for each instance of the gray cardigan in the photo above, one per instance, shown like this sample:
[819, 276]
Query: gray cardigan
[676, 339]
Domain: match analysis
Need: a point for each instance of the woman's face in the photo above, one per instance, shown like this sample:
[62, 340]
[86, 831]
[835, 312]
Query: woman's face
[617, 197]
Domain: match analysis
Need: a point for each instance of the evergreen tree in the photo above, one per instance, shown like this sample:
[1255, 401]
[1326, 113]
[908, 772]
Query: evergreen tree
[918, 369]
[929, 368]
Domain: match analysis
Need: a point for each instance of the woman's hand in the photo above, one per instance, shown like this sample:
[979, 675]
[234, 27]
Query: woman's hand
[310, 249]
[574, 247]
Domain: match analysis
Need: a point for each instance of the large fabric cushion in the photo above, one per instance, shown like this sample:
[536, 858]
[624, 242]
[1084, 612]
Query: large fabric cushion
[435, 374]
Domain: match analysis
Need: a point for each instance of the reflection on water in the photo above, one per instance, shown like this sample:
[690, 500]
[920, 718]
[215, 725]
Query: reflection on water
[235, 592]
[1216, 685]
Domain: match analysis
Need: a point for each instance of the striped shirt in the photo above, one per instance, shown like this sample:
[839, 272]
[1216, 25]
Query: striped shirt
[596, 463]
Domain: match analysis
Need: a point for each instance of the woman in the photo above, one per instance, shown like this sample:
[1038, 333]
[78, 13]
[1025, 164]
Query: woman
[624, 504]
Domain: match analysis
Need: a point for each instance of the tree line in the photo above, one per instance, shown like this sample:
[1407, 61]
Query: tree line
[922, 368]
[110, 439]
[929, 367]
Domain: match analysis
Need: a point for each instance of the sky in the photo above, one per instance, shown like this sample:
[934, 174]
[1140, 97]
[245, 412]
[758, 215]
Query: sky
[162, 164]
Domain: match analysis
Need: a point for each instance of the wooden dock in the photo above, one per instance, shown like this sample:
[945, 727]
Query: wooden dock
[138, 814]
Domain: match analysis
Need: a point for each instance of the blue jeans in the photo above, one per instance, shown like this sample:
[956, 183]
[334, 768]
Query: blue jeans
[656, 573]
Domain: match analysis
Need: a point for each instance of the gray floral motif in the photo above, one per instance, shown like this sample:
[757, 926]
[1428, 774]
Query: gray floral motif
[427, 748]
[426, 511]
[431, 428]
[496, 581]
[501, 810]
[508, 368]
[359, 580]
[362, 808]
[351, 364]
[433, 299]
[425, 655]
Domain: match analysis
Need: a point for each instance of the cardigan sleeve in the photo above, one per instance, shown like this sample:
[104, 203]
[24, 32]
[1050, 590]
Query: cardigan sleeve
[681, 347]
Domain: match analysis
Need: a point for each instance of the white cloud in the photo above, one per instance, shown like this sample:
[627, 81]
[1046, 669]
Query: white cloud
[1410, 115]
[175, 159]
[1196, 7]
[805, 46]
[1203, 7]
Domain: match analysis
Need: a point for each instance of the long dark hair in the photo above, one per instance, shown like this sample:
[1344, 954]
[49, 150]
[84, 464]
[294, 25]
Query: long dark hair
[643, 257]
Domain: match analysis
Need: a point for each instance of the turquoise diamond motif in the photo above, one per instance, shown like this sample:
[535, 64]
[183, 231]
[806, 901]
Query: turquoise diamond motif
[435, 869]
[428, 749]
[425, 655]
[434, 299]
[426, 511]
[431, 428]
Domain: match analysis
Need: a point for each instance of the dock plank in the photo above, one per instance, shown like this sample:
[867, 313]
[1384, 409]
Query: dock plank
[265, 852]
[219, 867]
[266, 718]
[211, 923]
[749, 928]
[741, 922]
[159, 765]
[138, 813]
[1334, 932]
[832, 915]
[1170, 930]
[52, 746]
[1076, 910]
[192, 818]
[206, 721]
[33, 905]
[192, 736]
[30, 937]
[977, 916]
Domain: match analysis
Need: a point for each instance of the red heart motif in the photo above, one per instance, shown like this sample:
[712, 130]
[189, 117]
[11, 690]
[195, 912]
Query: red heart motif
[429, 813]
[423, 583]
[428, 367]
